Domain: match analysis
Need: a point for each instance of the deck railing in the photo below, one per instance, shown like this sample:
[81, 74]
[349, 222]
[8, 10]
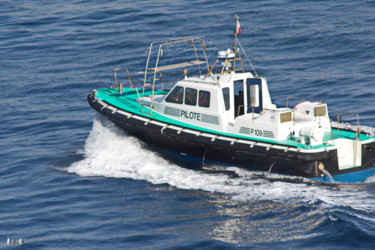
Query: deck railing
[340, 114]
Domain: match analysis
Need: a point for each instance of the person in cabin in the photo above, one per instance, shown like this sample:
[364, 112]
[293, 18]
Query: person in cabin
[204, 99]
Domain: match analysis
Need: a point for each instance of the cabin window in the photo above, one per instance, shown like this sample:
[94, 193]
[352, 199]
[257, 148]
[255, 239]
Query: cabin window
[254, 96]
[286, 117]
[176, 96]
[321, 110]
[204, 98]
[191, 96]
[226, 98]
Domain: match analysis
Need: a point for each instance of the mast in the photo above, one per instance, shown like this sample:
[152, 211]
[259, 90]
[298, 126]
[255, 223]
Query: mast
[229, 57]
[236, 32]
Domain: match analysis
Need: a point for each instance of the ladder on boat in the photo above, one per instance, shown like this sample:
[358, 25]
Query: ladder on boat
[228, 64]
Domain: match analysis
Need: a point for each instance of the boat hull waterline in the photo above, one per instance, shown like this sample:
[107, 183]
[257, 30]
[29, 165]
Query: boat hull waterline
[245, 153]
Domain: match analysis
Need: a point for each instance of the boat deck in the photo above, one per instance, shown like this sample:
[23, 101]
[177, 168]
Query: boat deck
[127, 102]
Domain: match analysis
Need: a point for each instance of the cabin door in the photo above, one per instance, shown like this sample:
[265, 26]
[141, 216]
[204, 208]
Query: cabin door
[239, 103]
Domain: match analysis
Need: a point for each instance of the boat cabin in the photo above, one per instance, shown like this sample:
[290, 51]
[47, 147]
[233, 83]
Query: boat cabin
[229, 100]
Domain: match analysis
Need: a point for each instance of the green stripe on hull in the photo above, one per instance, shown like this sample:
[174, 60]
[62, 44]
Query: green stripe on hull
[127, 102]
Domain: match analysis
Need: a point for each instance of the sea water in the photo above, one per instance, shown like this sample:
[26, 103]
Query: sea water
[71, 179]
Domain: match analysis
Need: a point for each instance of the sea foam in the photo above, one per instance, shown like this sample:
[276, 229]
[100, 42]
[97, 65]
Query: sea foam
[110, 152]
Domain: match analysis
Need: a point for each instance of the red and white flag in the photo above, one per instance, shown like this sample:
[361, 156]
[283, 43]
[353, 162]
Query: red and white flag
[238, 26]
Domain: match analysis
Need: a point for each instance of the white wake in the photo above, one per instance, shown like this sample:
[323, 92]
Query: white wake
[110, 152]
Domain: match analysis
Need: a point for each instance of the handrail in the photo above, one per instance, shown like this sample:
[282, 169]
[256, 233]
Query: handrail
[301, 98]
[115, 73]
[239, 108]
[339, 114]
[176, 66]
[225, 61]
[176, 40]
[128, 75]
[150, 78]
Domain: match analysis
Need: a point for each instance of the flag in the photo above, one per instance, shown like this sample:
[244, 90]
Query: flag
[238, 26]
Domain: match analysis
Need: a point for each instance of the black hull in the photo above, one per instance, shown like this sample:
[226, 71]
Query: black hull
[228, 150]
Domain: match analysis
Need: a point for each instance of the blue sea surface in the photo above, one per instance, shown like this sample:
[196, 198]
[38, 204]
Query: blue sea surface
[70, 179]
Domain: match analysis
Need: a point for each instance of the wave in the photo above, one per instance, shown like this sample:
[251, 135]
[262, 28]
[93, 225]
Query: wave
[110, 152]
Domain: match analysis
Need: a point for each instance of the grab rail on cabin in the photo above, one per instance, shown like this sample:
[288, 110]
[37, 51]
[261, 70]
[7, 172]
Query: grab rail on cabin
[302, 99]
[241, 106]
[340, 114]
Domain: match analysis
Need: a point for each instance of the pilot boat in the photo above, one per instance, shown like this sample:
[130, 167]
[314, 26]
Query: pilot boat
[224, 114]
